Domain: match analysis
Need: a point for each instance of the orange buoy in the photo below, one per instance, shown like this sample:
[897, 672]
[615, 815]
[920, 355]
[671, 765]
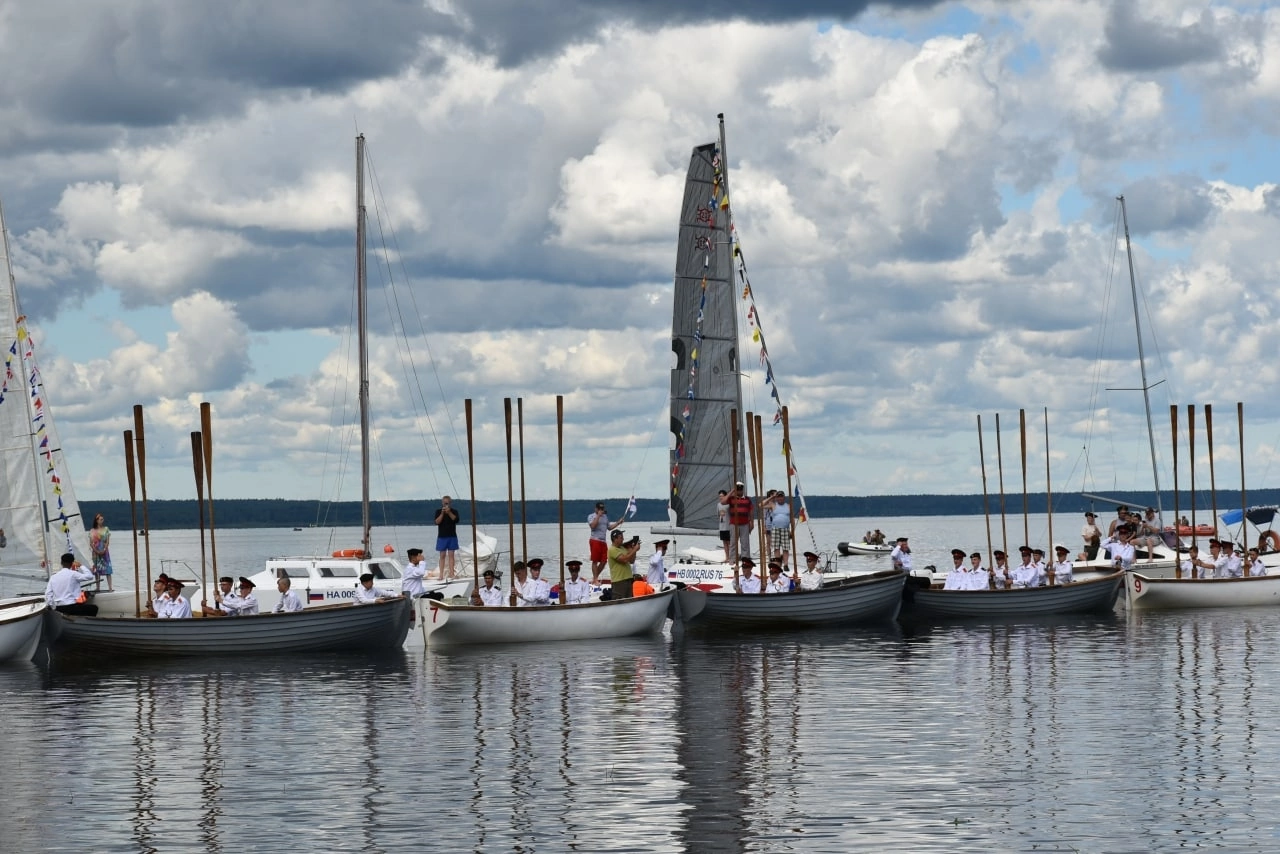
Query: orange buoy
[389, 549]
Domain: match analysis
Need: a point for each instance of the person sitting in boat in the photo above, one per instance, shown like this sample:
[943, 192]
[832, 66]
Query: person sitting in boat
[747, 583]
[1037, 560]
[877, 538]
[220, 593]
[414, 573]
[577, 591]
[1192, 566]
[289, 601]
[159, 595]
[1062, 567]
[1092, 536]
[1254, 561]
[488, 594]
[1000, 577]
[519, 577]
[777, 582]
[978, 577]
[1149, 533]
[534, 590]
[1233, 566]
[1217, 567]
[366, 593]
[177, 608]
[1027, 573]
[901, 555]
[958, 577]
[657, 566]
[811, 578]
[245, 603]
[1122, 518]
[63, 591]
[1120, 550]
[640, 586]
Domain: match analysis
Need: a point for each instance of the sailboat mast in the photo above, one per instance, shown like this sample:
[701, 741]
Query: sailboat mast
[361, 308]
[1142, 363]
[733, 283]
[35, 457]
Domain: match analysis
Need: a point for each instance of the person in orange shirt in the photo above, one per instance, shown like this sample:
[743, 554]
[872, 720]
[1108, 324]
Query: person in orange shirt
[641, 587]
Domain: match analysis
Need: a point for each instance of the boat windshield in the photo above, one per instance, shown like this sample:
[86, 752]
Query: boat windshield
[384, 570]
[338, 572]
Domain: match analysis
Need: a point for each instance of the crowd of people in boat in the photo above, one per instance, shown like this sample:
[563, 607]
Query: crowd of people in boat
[1033, 571]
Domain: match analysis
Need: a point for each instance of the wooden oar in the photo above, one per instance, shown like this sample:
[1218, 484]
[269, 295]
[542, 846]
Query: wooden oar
[1191, 462]
[1177, 510]
[133, 523]
[1243, 505]
[1048, 495]
[986, 507]
[206, 428]
[1022, 435]
[1004, 528]
[475, 521]
[1213, 483]
[140, 447]
[197, 464]
[734, 438]
[511, 509]
[765, 546]
[560, 470]
[757, 520]
[524, 524]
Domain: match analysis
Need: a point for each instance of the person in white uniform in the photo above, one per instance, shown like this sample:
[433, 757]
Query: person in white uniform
[1000, 578]
[1234, 566]
[63, 590]
[414, 573]
[747, 582]
[219, 595]
[1193, 566]
[177, 608]
[577, 590]
[811, 578]
[488, 594]
[979, 577]
[366, 593]
[657, 565]
[1256, 566]
[1121, 551]
[245, 604]
[901, 555]
[535, 591]
[1062, 567]
[777, 582]
[289, 601]
[958, 576]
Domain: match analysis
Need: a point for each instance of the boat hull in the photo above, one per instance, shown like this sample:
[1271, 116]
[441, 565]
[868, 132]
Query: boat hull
[444, 623]
[1149, 594]
[861, 599]
[21, 620]
[848, 549]
[1095, 595]
[337, 628]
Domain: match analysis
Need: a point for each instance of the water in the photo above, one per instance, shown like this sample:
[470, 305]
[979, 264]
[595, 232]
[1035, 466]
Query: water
[1143, 733]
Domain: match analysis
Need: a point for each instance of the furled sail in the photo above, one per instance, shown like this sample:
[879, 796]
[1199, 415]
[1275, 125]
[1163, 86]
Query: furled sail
[704, 340]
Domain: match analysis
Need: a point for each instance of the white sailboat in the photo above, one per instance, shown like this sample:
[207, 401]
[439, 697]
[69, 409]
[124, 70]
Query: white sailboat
[20, 626]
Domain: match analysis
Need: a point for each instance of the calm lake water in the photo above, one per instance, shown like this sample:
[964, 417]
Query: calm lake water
[1121, 733]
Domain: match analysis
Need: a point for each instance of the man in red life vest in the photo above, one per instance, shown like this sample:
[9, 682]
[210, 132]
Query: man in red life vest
[740, 509]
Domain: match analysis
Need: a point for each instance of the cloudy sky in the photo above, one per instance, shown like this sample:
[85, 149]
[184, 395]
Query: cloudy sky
[925, 194]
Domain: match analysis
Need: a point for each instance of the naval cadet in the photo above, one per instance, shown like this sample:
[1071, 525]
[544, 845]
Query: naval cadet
[366, 593]
[958, 577]
[289, 601]
[488, 595]
[1000, 579]
[577, 591]
[901, 555]
[777, 582]
[1062, 567]
[220, 593]
[177, 608]
[657, 565]
[245, 604]
[535, 591]
[748, 583]
[811, 578]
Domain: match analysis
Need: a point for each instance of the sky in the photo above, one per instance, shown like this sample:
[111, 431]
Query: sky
[925, 194]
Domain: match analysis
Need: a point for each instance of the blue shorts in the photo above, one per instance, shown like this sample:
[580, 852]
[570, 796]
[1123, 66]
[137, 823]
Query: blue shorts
[446, 544]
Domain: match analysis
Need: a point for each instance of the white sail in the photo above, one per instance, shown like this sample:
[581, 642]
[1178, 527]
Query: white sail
[38, 509]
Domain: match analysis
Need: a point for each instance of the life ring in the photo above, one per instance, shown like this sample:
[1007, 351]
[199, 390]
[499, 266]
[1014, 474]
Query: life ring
[1195, 530]
[1269, 537]
[347, 553]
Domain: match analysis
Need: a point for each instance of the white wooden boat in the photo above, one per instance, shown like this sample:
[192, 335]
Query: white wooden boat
[861, 599]
[20, 623]
[375, 627]
[1148, 593]
[333, 580]
[1093, 595]
[707, 570]
[444, 623]
[863, 548]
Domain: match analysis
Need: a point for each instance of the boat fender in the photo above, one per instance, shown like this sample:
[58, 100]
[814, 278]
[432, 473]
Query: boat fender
[1269, 538]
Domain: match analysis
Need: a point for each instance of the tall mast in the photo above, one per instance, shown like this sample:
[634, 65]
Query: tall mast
[733, 284]
[361, 308]
[1142, 364]
[42, 508]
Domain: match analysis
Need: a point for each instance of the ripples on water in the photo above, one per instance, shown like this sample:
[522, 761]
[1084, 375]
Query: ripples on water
[1093, 735]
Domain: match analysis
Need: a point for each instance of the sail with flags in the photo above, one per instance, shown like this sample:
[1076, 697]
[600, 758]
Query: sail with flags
[705, 379]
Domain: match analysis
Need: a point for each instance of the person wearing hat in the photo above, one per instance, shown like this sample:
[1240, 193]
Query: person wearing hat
[1037, 560]
[979, 577]
[289, 601]
[245, 603]
[1000, 578]
[1234, 567]
[1092, 536]
[535, 590]
[1193, 566]
[811, 578]
[622, 557]
[488, 594]
[64, 591]
[657, 565]
[519, 578]
[740, 510]
[600, 527]
[901, 555]
[220, 593]
[1060, 572]
[577, 591]
[1254, 563]
[1119, 549]
[777, 582]
[177, 608]
[367, 594]
[958, 576]
[1025, 574]
[747, 582]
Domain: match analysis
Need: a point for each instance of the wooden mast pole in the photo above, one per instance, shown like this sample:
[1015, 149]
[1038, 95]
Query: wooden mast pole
[1048, 495]
[1213, 483]
[206, 430]
[1191, 463]
[1177, 508]
[1022, 435]
[471, 476]
[511, 510]
[524, 510]
[986, 506]
[1004, 528]
[197, 466]
[560, 473]
[140, 446]
[133, 523]
[1243, 505]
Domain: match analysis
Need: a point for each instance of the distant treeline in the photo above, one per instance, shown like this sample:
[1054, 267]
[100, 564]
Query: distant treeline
[286, 513]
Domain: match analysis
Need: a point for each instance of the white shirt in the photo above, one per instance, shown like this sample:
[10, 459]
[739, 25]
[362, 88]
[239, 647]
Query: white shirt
[289, 601]
[978, 578]
[577, 591]
[657, 571]
[243, 606]
[411, 581]
[365, 597]
[1219, 566]
[1062, 572]
[1002, 576]
[536, 591]
[1026, 575]
[175, 609]
[811, 579]
[1189, 569]
[957, 578]
[1258, 567]
[64, 586]
[781, 585]
[1234, 567]
[492, 597]
[901, 560]
[1122, 552]
[749, 584]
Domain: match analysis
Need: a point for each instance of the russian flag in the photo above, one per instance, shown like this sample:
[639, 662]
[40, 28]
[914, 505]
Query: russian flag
[672, 575]
[315, 597]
